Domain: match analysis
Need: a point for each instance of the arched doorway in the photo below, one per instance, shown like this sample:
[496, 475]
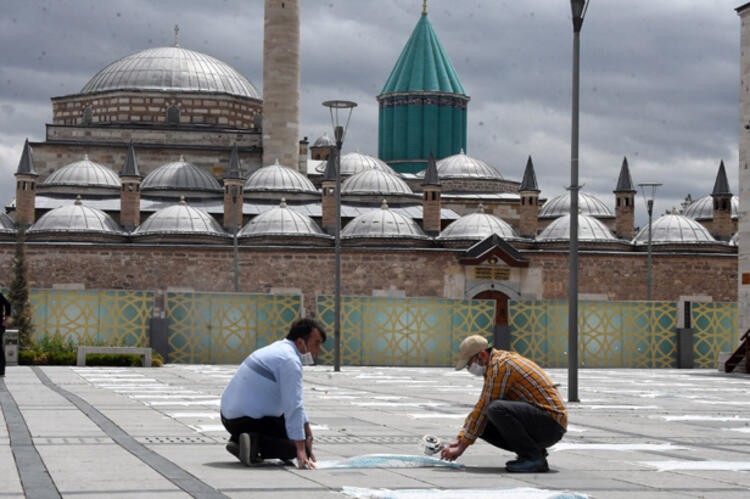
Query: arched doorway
[501, 305]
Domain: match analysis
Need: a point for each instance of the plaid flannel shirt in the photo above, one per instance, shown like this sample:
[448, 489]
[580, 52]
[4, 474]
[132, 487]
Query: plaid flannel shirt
[511, 376]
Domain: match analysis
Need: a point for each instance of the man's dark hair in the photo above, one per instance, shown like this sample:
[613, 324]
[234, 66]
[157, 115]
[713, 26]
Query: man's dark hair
[301, 328]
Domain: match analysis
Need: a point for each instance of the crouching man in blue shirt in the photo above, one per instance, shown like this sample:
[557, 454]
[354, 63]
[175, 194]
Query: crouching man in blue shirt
[262, 406]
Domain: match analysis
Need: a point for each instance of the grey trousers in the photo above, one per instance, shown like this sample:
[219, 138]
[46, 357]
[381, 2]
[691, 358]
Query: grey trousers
[521, 428]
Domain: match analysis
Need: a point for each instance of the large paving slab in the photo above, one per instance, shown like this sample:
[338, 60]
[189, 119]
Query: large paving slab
[155, 432]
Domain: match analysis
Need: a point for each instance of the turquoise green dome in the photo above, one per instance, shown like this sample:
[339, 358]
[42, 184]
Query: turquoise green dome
[423, 65]
[423, 106]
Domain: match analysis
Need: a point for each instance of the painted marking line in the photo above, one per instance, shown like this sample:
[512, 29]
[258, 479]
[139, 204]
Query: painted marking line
[700, 417]
[698, 465]
[398, 404]
[437, 416]
[627, 407]
[620, 447]
[387, 461]
[516, 493]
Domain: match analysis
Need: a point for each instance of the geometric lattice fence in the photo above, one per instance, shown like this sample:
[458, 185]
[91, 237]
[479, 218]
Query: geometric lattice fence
[224, 328]
[715, 330]
[113, 317]
[403, 331]
[620, 334]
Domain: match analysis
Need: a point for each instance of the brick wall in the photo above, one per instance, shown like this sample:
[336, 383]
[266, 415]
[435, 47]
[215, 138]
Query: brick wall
[619, 276]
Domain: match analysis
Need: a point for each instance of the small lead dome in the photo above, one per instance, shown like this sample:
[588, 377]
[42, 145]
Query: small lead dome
[180, 176]
[277, 177]
[374, 182]
[83, 173]
[476, 227]
[282, 221]
[587, 205]
[589, 229]
[180, 219]
[76, 218]
[703, 208]
[382, 224]
[461, 166]
[675, 229]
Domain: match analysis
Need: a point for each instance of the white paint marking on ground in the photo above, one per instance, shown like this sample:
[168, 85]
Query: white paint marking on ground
[398, 404]
[700, 417]
[423, 415]
[698, 465]
[208, 428]
[185, 415]
[156, 403]
[627, 407]
[741, 430]
[156, 396]
[575, 429]
[516, 493]
[387, 461]
[619, 447]
[723, 402]
[405, 381]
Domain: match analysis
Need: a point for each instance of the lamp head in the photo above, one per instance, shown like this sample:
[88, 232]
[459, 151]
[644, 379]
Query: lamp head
[340, 109]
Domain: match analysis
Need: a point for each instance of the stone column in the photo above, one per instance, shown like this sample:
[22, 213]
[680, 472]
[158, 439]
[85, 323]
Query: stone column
[281, 82]
[743, 272]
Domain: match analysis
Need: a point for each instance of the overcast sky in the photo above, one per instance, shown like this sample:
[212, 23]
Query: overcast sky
[659, 79]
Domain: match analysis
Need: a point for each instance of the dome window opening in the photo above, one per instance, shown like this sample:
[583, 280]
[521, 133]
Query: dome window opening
[87, 115]
[173, 115]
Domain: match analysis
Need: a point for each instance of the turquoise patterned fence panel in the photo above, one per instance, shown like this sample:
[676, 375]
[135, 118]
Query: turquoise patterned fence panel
[403, 331]
[101, 317]
[610, 334]
[223, 328]
[715, 330]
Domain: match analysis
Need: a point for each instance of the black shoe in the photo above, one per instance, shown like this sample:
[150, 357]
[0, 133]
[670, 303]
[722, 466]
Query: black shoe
[528, 465]
[249, 449]
[233, 448]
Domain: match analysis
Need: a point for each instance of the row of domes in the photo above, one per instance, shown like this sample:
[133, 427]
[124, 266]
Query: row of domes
[383, 223]
[366, 175]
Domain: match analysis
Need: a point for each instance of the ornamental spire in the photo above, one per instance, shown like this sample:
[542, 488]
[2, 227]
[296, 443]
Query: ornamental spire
[424, 7]
[176, 35]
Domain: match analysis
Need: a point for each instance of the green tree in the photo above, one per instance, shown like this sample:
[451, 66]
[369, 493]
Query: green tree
[19, 293]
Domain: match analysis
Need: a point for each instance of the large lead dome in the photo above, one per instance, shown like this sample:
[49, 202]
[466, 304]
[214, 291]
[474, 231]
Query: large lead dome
[171, 69]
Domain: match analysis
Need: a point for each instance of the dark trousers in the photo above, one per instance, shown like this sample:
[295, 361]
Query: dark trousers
[2, 351]
[274, 443]
[521, 428]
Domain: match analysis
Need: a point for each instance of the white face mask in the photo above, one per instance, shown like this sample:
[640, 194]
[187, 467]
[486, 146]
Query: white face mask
[307, 358]
[477, 370]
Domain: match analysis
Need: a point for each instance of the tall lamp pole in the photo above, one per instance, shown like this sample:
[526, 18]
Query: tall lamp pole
[649, 194]
[341, 113]
[578, 10]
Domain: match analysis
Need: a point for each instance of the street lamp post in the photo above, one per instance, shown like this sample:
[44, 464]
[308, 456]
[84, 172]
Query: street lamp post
[649, 194]
[341, 113]
[578, 11]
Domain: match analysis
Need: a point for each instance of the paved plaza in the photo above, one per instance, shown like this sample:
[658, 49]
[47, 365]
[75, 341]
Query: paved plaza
[154, 432]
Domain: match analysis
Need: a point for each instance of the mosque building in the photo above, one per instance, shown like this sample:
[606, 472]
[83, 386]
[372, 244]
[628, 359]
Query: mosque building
[169, 170]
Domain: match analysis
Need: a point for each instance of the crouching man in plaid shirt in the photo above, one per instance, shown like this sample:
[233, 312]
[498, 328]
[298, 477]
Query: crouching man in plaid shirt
[519, 410]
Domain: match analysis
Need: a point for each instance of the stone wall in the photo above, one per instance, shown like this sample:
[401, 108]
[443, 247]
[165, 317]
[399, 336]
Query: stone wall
[416, 272]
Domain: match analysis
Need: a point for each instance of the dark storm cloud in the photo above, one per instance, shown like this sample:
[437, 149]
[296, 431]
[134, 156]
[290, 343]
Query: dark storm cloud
[659, 80]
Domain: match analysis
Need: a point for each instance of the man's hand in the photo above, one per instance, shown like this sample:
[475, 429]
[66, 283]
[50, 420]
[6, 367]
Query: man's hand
[453, 450]
[304, 462]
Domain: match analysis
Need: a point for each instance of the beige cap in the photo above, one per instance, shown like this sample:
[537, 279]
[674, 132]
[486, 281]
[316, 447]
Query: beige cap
[469, 348]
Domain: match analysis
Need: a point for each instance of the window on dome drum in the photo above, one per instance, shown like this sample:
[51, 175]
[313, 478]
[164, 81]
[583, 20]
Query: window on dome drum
[173, 115]
[87, 115]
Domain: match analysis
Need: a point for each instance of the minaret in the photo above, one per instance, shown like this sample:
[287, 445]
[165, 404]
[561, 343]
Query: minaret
[26, 177]
[281, 82]
[431, 202]
[234, 193]
[722, 227]
[529, 191]
[422, 104]
[328, 187]
[130, 191]
[624, 203]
